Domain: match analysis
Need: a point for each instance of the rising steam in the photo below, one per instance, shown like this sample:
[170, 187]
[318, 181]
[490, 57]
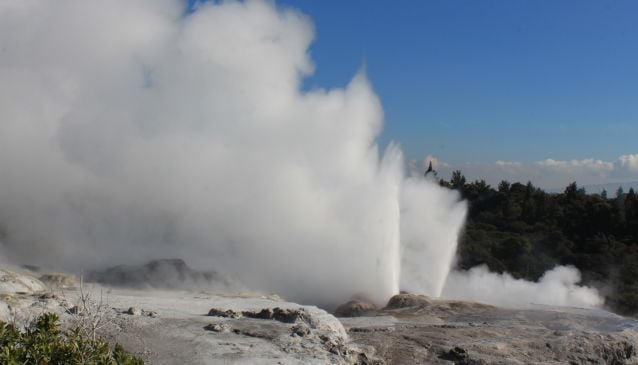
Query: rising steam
[130, 131]
[556, 287]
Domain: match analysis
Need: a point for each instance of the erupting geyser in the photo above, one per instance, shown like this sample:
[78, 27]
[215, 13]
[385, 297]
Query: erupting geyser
[129, 131]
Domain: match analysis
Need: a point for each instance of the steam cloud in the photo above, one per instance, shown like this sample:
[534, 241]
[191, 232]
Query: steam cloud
[130, 132]
[557, 287]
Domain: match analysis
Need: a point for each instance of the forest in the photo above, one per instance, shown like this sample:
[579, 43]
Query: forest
[524, 231]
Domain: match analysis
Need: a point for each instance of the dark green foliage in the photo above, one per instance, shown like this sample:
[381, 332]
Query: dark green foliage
[44, 343]
[525, 231]
[458, 180]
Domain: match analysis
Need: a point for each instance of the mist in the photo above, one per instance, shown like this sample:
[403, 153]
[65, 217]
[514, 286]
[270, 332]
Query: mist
[557, 287]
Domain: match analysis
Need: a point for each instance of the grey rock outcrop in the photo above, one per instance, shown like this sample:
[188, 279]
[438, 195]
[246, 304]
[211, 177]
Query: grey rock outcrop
[162, 274]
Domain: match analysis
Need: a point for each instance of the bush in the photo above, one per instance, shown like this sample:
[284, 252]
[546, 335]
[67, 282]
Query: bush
[44, 343]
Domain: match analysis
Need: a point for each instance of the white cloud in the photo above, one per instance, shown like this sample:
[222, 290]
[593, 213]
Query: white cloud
[550, 174]
[508, 163]
[628, 162]
[436, 162]
[578, 166]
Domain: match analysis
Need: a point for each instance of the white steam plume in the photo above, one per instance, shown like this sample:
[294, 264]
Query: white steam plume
[556, 287]
[428, 214]
[129, 131]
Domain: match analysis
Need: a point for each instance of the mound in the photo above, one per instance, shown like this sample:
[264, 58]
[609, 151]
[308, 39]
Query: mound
[13, 282]
[161, 274]
[355, 308]
[406, 300]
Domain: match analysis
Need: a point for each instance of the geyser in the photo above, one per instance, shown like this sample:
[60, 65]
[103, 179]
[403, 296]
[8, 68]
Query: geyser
[130, 132]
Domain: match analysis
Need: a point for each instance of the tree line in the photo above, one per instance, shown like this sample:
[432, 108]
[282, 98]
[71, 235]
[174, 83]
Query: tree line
[520, 229]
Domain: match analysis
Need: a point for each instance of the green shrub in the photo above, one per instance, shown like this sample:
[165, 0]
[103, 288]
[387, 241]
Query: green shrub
[43, 342]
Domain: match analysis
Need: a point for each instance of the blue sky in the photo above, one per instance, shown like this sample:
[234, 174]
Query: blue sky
[480, 81]
[490, 80]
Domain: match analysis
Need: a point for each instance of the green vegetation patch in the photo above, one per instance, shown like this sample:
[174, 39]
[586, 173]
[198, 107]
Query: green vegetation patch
[43, 342]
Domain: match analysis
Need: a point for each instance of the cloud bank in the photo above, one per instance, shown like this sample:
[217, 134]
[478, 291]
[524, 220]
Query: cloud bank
[129, 132]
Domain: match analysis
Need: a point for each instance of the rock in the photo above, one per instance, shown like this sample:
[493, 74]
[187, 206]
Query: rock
[266, 313]
[406, 300]
[228, 313]
[218, 327]
[58, 280]
[456, 354]
[151, 314]
[300, 329]
[355, 308]
[134, 311]
[434, 331]
[162, 274]
[335, 346]
[285, 315]
[18, 283]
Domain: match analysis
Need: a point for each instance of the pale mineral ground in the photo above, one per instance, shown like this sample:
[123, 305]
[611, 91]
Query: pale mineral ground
[197, 326]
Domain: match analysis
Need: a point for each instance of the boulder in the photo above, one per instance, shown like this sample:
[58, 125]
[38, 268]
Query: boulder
[407, 300]
[225, 313]
[218, 327]
[355, 308]
[285, 315]
[152, 314]
[134, 311]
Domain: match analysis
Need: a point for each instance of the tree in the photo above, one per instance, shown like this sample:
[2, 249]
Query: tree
[631, 213]
[620, 192]
[571, 190]
[458, 180]
[504, 186]
[603, 194]
[524, 231]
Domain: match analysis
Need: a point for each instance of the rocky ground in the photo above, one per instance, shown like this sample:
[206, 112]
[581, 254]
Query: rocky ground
[440, 332]
[196, 327]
